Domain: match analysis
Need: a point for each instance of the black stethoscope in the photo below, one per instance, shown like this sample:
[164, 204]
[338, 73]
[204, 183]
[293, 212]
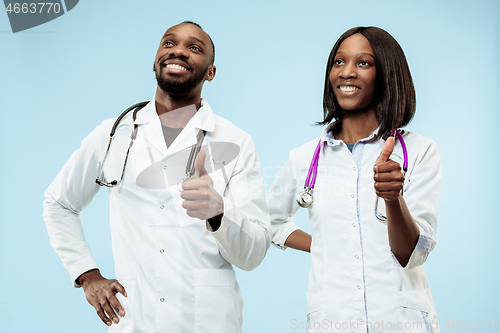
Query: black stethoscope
[190, 169]
[305, 197]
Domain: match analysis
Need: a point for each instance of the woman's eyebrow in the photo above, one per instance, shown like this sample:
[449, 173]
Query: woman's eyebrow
[362, 53]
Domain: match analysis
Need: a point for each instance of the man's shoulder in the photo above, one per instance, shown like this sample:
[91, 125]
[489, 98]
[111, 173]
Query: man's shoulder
[224, 127]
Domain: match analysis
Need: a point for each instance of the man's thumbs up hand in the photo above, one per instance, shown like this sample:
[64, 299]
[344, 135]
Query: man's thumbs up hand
[387, 173]
[201, 200]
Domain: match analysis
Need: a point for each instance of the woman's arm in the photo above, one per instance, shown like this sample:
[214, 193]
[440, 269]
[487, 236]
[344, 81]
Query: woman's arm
[402, 229]
[299, 240]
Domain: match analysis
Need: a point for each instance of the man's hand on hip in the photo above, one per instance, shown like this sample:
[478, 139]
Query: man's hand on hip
[100, 293]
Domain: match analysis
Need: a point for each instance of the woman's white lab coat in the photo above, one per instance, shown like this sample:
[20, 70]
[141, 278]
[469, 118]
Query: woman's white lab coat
[355, 282]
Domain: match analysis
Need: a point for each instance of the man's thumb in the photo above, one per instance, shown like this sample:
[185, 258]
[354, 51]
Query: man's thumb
[199, 164]
[386, 150]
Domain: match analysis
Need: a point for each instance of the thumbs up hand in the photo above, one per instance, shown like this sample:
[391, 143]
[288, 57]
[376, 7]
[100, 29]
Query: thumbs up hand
[387, 173]
[200, 198]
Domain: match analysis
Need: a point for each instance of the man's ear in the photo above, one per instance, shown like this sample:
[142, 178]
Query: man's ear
[210, 74]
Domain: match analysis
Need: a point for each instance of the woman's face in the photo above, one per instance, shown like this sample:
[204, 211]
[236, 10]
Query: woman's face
[353, 74]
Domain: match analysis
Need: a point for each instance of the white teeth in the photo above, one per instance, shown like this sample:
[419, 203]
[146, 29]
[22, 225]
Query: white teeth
[347, 88]
[175, 66]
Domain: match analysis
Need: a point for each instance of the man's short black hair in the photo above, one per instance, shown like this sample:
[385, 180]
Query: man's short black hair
[211, 41]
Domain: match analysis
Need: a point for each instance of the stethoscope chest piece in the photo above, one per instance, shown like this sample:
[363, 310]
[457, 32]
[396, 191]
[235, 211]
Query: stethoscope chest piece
[305, 198]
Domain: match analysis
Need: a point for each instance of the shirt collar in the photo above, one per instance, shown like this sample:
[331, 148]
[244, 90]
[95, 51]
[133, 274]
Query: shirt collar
[328, 139]
[203, 119]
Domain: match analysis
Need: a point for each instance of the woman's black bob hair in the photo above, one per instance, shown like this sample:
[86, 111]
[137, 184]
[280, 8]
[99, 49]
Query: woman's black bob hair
[394, 99]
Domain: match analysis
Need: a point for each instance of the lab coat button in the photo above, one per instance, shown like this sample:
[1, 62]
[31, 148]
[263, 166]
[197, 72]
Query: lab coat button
[162, 299]
[352, 195]
[353, 168]
[354, 225]
[360, 321]
[359, 287]
[161, 207]
[165, 167]
[356, 256]
[162, 250]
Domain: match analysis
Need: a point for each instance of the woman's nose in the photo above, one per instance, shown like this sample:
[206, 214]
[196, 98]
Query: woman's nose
[348, 71]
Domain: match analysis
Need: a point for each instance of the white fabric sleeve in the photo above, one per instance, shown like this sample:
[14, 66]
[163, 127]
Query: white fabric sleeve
[421, 195]
[67, 196]
[244, 235]
[281, 200]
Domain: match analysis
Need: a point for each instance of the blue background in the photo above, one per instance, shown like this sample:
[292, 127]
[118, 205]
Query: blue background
[61, 79]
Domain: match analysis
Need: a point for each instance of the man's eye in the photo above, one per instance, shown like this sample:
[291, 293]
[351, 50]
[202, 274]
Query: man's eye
[195, 48]
[168, 43]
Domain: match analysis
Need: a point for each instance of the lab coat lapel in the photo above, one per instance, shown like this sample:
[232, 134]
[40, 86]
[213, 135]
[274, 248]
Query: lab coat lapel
[203, 119]
[149, 120]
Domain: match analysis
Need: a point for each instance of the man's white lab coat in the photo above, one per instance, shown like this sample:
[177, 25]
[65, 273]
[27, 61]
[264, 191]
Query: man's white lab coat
[177, 273]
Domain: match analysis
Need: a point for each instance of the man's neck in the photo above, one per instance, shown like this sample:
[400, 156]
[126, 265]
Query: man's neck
[357, 126]
[174, 112]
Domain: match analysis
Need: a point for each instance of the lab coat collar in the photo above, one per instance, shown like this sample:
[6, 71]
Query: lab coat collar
[328, 139]
[204, 119]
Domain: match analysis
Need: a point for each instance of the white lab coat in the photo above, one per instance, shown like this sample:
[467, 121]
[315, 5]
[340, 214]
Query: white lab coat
[177, 273]
[355, 282]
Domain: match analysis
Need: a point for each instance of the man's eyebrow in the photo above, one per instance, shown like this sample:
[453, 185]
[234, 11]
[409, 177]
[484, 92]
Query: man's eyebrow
[192, 37]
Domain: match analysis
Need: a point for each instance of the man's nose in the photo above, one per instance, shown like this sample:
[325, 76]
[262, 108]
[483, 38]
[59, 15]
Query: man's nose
[179, 52]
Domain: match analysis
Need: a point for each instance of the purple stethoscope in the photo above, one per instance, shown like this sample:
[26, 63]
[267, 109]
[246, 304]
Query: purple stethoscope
[305, 197]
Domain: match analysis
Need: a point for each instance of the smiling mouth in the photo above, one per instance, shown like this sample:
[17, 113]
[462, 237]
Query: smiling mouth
[348, 89]
[176, 67]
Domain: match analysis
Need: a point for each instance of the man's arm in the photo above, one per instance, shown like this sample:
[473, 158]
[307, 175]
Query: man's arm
[72, 190]
[240, 221]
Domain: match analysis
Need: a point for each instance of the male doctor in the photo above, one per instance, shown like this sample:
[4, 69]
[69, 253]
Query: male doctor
[174, 242]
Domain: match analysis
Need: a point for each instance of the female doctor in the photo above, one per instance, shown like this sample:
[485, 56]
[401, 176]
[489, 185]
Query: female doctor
[366, 254]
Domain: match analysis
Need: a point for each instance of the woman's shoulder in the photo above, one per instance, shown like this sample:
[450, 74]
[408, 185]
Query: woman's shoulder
[420, 144]
[305, 151]
[417, 139]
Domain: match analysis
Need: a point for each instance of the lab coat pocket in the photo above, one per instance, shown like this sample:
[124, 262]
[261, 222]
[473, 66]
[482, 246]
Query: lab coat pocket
[126, 275]
[314, 322]
[418, 312]
[315, 313]
[218, 302]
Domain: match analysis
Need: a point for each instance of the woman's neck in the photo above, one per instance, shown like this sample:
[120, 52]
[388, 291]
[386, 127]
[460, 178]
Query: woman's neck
[357, 126]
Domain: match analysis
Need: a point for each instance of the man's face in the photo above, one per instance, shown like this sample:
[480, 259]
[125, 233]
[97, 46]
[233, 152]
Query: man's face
[183, 60]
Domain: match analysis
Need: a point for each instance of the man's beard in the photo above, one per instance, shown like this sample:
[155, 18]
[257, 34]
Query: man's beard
[177, 88]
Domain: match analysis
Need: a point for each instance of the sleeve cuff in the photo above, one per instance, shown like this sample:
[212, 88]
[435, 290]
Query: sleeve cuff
[79, 267]
[281, 234]
[425, 244]
[228, 218]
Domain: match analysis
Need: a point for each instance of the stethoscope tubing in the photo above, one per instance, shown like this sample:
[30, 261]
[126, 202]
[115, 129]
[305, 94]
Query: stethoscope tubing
[305, 197]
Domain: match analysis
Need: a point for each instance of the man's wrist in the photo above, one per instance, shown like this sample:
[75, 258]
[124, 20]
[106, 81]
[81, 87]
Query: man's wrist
[215, 222]
[88, 275]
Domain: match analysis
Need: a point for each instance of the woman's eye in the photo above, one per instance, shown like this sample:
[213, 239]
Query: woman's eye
[364, 63]
[338, 62]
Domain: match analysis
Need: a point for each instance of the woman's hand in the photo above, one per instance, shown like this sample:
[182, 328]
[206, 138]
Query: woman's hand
[387, 174]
